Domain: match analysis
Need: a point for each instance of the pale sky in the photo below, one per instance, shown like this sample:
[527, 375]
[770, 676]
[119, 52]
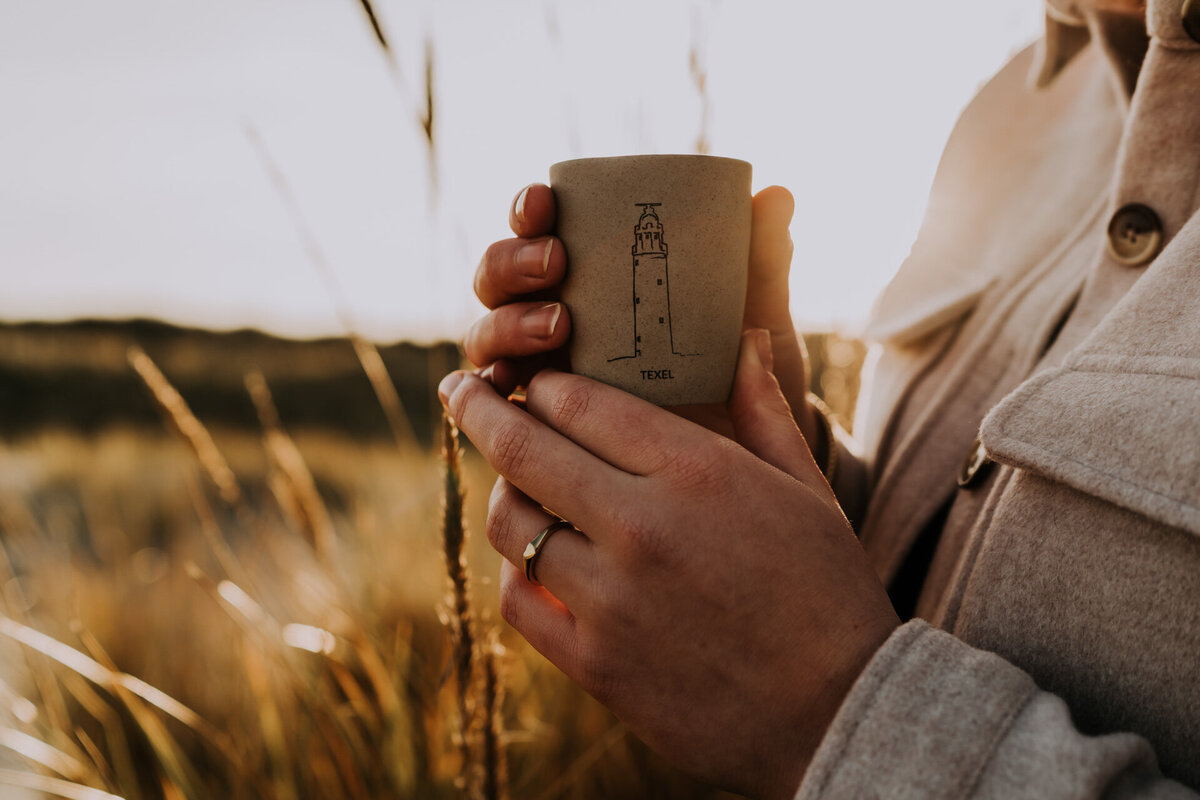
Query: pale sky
[128, 184]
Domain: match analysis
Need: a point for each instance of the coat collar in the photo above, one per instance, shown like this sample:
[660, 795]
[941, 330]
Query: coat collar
[1118, 419]
[1123, 37]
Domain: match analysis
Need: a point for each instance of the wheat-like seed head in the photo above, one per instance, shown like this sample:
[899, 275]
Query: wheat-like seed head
[190, 429]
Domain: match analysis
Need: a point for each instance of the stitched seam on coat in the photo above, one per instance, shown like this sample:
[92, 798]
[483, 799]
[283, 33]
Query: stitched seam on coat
[1084, 367]
[993, 745]
[1180, 45]
[867, 703]
[1100, 472]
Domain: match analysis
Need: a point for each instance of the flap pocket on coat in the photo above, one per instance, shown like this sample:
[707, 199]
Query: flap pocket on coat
[1121, 428]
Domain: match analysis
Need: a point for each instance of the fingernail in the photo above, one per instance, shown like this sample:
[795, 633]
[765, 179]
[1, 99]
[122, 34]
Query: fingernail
[540, 322]
[448, 385]
[519, 207]
[762, 342]
[488, 373]
[533, 259]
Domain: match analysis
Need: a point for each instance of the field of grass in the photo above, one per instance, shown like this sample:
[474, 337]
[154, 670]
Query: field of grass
[261, 606]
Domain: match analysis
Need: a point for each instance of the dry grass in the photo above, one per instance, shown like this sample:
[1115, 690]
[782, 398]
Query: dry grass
[265, 614]
[285, 639]
[459, 617]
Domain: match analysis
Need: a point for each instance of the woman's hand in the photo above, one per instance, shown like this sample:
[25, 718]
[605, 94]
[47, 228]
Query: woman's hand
[518, 280]
[714, 596]
[527, 326]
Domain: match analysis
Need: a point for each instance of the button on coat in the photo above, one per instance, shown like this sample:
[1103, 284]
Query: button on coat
[1191, 19]
[1134, 235]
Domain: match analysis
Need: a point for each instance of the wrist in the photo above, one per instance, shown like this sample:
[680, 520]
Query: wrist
[798, 745]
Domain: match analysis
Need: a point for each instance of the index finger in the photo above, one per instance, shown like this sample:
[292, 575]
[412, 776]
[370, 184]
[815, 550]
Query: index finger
[632, 434]
[542, 463]
[533, 211]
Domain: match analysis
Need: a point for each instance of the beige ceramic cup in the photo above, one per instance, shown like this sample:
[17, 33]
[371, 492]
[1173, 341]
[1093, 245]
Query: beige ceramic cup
[657, 250]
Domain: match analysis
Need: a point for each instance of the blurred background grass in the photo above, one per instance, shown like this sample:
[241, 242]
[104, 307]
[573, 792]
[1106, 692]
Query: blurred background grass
[297, 606]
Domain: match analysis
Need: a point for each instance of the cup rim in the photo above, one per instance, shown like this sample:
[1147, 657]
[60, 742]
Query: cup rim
[660, 156]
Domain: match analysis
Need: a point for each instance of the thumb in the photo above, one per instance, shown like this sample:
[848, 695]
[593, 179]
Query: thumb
[767, 290]
[762, 420]
[770, 259]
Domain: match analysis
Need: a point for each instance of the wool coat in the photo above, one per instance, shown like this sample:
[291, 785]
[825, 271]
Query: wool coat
[1042, 344]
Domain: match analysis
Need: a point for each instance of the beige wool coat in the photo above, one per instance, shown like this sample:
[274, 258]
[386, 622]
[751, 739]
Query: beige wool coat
[1056, 649]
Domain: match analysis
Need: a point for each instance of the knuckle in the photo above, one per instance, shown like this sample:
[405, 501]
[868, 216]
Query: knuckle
[700, 469]
[511, 448]
[472, 344]
[479, 278]
[642, 543]
[610, 600]
[510, 603]
[462, 403]
[499, 525]
[571, 404]
[594, 670]
[493, 260]
[486, 280]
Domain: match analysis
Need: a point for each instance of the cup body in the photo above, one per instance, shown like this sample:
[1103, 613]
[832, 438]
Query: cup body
[657, 251]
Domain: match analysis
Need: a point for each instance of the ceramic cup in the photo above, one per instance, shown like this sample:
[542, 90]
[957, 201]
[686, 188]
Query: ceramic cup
[657, 250]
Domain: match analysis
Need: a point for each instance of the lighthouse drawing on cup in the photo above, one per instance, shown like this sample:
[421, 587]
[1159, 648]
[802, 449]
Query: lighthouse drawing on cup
[653, 333]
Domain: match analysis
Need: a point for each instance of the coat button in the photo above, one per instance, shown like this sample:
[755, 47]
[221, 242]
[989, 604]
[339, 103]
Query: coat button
[974, 466]
[1191, 19]
[1135, 233]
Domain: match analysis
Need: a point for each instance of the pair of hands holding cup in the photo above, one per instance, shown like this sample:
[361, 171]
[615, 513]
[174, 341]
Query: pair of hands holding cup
[714, 595]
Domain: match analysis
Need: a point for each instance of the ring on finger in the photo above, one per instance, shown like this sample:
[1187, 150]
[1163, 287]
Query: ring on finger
[534, 548]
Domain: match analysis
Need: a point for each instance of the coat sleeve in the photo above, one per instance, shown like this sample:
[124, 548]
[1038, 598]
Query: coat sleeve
[932, 717]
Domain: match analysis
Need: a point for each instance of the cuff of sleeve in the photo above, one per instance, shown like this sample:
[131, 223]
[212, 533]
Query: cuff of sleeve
[923, 720]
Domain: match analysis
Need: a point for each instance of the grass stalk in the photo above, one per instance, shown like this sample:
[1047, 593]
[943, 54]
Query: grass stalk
[270, 722]
[13, 604]
[53, 786]
[176, 411]
[124, 772]
[385, 391]
[137, 696]
[99, 763]
[34, 749]
[368, 354]
[495, 765]
[460, 620]
[298, 488]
